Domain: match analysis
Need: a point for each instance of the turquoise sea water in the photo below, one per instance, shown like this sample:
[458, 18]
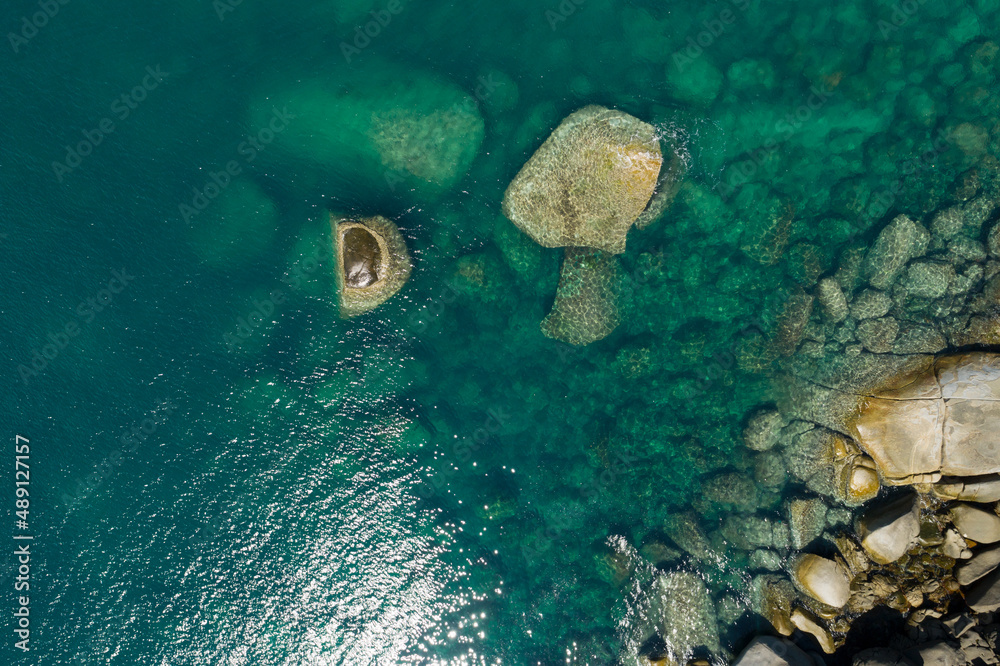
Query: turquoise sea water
[434, 482]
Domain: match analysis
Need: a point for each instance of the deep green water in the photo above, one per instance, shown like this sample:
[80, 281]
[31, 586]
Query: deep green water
[435, 482]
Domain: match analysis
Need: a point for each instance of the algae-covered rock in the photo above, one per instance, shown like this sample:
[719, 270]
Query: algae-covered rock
[372, 262]
[586, 305]
[589, 182]
[831, 297]
[901, 240]
[766, 231]
[367, 129]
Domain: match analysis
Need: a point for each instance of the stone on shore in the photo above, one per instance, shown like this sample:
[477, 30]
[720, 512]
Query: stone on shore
[939, 423]
[888, 531]
[984, 595]
[982, 563]
[808, 623]
[771, 651]
[589, 182]
[974, 523]
[822, 579]
[940, 653]
[984, 489]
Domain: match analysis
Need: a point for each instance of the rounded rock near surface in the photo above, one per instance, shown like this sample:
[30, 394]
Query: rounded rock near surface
[586, 305]
[824, 580]
[588, 182]
[763, 430]
[861, 482]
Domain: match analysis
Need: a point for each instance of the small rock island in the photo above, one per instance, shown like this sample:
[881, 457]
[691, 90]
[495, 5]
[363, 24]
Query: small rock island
[372, 262]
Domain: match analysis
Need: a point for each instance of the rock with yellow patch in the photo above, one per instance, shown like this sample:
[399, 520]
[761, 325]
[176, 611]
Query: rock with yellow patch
[942, 422]
[372, 262]
[589, 182]
[586, 305]
[825, 580]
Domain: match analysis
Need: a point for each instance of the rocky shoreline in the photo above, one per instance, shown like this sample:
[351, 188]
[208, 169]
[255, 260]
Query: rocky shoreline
[885, 431]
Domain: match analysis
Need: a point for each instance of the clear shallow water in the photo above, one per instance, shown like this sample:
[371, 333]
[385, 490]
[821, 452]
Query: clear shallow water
[435, 482]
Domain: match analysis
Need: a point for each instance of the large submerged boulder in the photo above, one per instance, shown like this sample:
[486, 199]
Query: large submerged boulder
[685, 615]
[589, 182]
[586, 305]
[362, 131]
[372, 262]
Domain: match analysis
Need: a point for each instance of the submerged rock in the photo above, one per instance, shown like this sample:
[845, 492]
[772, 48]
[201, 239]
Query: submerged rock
[901, 240]
[686, 619]
[806, 520]
[589, 182]
[372, 127]
[832, 298]
[763, 430]
[586, 305]
[372, 262]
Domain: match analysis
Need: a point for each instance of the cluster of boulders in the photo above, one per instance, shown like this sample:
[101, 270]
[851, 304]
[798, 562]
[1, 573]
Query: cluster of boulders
[912, 554]
[599, 173]
[866, 404]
